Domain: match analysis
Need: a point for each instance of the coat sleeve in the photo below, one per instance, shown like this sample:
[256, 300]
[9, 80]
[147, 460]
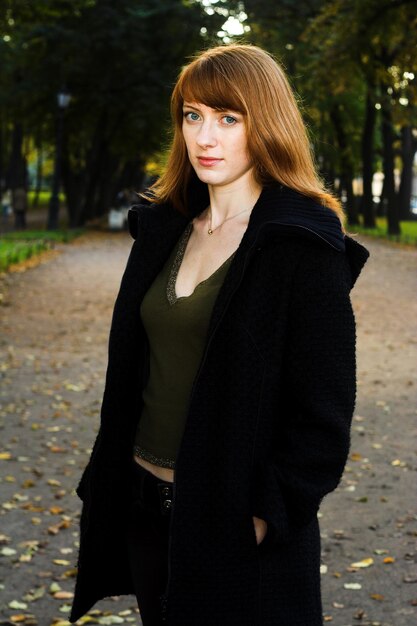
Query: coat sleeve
[82, 485]
[317, 398]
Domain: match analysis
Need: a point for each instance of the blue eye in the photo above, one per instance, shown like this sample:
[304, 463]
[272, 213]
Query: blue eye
[229, 120]
[191, 115]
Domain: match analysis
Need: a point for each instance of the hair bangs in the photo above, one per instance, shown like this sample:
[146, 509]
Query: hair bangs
[205, 83]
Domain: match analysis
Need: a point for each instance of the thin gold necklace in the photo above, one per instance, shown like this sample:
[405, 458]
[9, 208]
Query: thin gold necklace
[211, 230]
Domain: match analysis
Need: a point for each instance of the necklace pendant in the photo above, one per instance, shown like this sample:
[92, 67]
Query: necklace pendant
[210, 232]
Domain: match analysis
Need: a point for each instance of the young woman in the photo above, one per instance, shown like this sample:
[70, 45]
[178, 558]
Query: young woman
[231, 377]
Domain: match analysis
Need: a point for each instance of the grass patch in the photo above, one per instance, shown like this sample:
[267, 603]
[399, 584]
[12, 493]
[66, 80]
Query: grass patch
[59, 236]
[408, 231]
[19, 246]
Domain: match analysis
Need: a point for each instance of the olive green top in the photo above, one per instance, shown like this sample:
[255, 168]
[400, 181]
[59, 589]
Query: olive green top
[176, 330]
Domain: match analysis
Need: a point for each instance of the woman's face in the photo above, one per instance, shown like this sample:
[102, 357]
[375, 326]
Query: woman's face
[216, 144]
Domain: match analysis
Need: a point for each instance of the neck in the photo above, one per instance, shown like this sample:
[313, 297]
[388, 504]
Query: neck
[231, 199]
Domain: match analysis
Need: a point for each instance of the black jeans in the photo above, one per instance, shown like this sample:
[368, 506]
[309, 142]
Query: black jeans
[148, 536]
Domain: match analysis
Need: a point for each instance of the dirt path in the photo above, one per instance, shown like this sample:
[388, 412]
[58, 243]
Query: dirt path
[54, 323]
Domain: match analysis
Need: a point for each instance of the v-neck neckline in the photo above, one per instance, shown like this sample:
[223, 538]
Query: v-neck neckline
[173, 274]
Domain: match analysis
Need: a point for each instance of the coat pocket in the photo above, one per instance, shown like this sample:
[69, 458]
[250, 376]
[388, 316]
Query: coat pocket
[268, 502]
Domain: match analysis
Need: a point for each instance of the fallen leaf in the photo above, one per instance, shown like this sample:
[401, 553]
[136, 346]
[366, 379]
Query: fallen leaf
[15, 604]
[352, 586]
[6, 551]
[355, 456]
[34, 595]
[63, 595]
[61, 562]
[377, 596]
[19, 617]
[56, 510]
[5, 456]
[70, 573]
[389, 559]
[364, 563]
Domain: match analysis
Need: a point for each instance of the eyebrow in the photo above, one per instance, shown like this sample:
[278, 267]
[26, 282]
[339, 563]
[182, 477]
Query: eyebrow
[222, 110]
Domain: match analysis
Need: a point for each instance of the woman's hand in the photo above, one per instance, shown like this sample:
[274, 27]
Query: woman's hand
[260, 529]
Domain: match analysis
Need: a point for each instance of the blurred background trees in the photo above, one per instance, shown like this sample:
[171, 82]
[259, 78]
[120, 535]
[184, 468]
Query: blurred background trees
[352, 62]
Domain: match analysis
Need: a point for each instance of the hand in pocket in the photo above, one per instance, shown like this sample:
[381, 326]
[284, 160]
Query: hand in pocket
[260, 529]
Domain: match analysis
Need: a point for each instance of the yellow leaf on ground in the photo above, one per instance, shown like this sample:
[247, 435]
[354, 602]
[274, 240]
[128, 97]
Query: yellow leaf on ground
[377, 596]
[63, 595]
[363, 563]
[5, 456]
[389, 559]
[56, 510]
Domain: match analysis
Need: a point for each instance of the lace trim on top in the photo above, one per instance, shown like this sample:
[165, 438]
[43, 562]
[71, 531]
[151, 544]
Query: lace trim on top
[171, 295]
[156, 460]
[172, 279]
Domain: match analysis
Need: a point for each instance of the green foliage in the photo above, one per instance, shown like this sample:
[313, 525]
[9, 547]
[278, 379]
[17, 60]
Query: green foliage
[19, 246]
[408, 231]
[12, 252]
[44, 197]
[118, 60]
[58, 236]
[334, 52]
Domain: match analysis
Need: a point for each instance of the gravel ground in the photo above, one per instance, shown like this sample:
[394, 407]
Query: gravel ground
[54, 322]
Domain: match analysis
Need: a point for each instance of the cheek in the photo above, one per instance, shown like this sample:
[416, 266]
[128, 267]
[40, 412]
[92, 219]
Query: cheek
[241, 148]
[242, 153]
[188, 140]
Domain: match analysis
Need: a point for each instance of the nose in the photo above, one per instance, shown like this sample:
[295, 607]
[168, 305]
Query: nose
[206, 136]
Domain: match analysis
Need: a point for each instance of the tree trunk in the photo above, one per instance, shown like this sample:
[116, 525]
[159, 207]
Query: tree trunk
[408, 149]
[108, 185]
[388, 157]
[74, 185]
[2, 157]
[96, 157]
[16, 171]
[39, 169]
[346, 165]
[367, 203]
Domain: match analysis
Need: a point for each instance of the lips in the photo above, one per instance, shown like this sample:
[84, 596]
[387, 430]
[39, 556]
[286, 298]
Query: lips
[208, 161]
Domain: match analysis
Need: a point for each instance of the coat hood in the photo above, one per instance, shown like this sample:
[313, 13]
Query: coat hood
[279, 211]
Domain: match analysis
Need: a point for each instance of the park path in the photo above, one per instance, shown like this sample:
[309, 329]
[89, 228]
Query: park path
[54, 322]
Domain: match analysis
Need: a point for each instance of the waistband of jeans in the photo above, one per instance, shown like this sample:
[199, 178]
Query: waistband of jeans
[154, 492]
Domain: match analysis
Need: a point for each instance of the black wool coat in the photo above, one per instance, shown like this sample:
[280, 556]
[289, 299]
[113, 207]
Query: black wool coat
[268, 421]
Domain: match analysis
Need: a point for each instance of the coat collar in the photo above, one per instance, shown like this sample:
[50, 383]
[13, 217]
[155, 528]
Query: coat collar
[279, 210]
[277, 206]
